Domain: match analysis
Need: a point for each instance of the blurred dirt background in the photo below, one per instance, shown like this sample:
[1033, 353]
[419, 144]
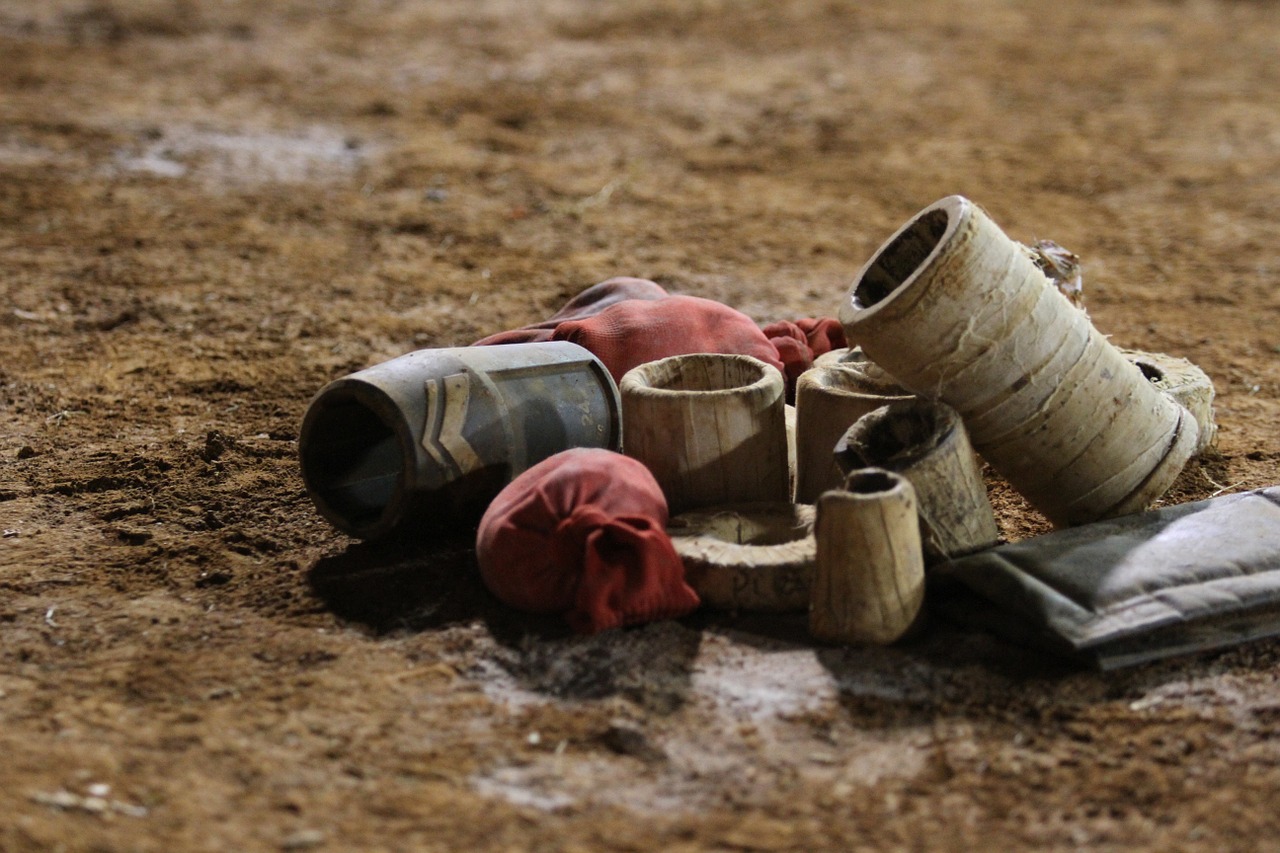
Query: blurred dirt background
[208, 210]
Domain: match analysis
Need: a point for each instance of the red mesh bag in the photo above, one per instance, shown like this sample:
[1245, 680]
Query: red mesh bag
[588, 303]
[634, 332]
[583, 533]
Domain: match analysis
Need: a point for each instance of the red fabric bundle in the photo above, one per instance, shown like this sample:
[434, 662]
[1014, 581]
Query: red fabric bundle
[799, 343]
[823, 334]
[634, 332]
[629, 321]
[584, 533]
[588, 303]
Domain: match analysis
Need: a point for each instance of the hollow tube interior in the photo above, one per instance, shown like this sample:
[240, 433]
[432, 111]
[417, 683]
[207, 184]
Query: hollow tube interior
[870, 482]
[703, 373]
[352, 460]
[900, 258]
[1154, 374]
[901, 433]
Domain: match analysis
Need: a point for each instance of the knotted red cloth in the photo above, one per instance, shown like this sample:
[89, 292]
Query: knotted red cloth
[634, 332]
[798, 343]
[583, 533]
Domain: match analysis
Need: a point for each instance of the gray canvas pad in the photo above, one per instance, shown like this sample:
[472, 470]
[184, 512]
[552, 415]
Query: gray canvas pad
[1178, 579]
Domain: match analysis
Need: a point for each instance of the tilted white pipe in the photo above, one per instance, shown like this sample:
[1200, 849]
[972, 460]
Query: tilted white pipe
[955, 310]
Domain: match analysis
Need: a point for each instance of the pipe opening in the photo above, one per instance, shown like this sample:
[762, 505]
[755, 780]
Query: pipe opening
[352, 461]
[895, 436]
[896, 262]
[703, 373]
[1154, 374]
[870, 482]
[901, 433]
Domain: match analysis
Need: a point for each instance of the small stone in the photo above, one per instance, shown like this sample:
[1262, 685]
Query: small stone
[625, 739]
[303, 839]
[26, 451]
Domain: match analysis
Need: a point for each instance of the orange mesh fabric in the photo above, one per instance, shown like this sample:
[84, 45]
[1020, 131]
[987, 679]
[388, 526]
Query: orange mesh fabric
[583, 533]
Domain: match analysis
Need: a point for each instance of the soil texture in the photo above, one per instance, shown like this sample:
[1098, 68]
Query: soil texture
[209, 210]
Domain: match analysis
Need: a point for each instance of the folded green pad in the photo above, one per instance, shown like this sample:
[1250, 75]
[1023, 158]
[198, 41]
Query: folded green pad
[1132, 589]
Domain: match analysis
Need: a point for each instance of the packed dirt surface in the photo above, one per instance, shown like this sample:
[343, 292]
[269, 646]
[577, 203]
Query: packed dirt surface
[208, 210]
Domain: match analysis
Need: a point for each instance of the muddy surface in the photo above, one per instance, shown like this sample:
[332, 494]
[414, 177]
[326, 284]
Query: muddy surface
[209, 210]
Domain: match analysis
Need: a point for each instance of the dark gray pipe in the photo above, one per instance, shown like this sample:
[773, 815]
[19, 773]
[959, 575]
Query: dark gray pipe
[431, 437]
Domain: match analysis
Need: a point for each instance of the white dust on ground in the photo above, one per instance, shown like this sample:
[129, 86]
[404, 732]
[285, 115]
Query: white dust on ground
[752, 714]
[726, 717]
[218, 158]
[245, 157]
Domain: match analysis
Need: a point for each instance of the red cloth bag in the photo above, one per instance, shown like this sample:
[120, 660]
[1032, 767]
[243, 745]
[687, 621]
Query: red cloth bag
[799, 342]
[583, 533]
[588, 303]
[634, 332]
[626, 322]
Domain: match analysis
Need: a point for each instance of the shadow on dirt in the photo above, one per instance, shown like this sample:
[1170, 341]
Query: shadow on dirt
[954, 671]
[651, 665]
[421, 583]
[418, 583]
[403, 583]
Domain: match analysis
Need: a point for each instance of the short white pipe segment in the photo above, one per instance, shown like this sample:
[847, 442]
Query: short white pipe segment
[828, 401]
[711, 428]
[748, 556]
[925, 441]
[868, 583]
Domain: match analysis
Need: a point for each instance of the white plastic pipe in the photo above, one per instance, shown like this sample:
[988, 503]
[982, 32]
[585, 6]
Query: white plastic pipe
[868, 583]
[955, 310]
[710, 427]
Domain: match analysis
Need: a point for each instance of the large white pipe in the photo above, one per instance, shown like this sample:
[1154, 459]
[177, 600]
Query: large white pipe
[955, 310]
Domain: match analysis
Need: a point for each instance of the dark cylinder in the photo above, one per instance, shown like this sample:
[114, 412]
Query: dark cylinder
[431, 437]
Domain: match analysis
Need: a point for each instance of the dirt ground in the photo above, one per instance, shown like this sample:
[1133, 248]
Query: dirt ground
[208, 210]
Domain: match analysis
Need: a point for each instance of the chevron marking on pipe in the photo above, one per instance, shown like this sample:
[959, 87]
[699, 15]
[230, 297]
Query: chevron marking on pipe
[447, 401]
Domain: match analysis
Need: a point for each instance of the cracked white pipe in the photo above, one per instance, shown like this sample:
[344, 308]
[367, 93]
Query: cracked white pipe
[955, 310]
[1185, 384]
[925, 441]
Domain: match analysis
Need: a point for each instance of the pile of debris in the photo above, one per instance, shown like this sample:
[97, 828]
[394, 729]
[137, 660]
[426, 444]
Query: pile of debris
[822, 464]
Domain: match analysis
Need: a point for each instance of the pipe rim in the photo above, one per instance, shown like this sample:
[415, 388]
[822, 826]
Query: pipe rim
[644, 379]
[858, 307]
[902, 433]
[873, 484]
[849, 381]
[347, 393]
